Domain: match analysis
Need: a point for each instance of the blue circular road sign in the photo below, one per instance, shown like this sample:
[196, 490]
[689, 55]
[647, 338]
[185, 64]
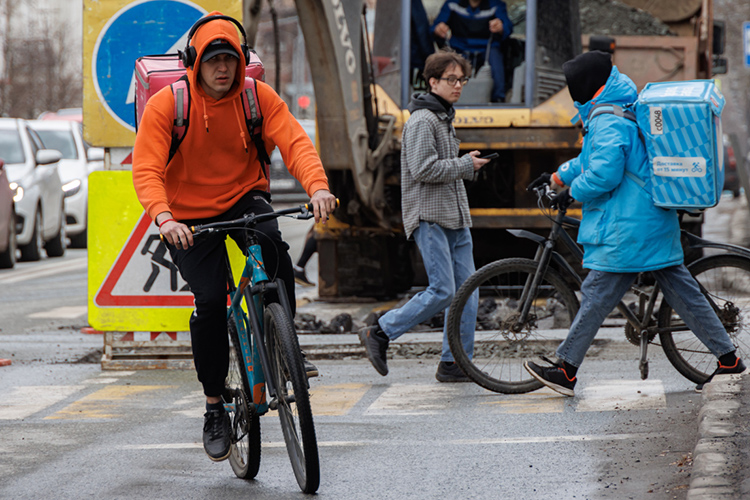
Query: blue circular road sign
[141, 28]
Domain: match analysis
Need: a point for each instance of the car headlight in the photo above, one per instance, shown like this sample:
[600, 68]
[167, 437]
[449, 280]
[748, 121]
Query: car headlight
[72, 187]
[17, 191]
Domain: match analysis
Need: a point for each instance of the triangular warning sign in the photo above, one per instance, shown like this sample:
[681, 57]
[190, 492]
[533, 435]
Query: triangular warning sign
[143, 274]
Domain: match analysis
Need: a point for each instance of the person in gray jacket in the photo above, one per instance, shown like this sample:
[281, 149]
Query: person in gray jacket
[435, 211]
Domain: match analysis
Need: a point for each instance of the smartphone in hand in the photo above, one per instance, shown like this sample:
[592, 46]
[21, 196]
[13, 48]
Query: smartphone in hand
[490, 156]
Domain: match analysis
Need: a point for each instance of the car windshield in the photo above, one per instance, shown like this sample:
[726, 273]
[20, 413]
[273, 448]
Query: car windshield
[11, 150]
[61, 140]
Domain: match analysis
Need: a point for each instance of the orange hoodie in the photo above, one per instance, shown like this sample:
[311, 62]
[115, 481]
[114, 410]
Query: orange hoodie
[212, 170]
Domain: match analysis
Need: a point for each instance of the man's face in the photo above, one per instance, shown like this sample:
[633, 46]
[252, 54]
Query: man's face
[443, 87]
[217, 75]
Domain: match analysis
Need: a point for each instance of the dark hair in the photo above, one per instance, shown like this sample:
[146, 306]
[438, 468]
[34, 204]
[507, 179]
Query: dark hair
[437, 63]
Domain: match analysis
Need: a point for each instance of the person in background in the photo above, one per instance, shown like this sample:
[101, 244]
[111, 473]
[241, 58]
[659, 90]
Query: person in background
[311, 246]
[435, 212]
[622, 231]
[473, 26]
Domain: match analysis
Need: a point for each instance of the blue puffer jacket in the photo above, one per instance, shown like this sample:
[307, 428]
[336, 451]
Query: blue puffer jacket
[621, 229]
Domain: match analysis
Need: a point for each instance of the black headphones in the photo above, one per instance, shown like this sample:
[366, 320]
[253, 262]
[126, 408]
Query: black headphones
[189, 55]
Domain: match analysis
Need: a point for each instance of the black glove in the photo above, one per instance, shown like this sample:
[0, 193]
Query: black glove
[562, 200]
[542, 180]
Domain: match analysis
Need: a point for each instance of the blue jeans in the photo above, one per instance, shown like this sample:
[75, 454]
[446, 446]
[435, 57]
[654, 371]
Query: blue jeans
[449, 261]
[602, 291]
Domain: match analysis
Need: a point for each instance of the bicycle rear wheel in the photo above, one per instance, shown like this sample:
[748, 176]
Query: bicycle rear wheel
[725, 280]
[502, 343]
[244, 455]
[293, 400]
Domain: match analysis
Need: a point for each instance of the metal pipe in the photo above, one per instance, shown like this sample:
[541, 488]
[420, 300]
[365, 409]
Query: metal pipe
[405, 50]
[530, 52]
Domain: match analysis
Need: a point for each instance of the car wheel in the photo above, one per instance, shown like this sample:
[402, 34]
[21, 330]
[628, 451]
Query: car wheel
[33, 250]
[8, 257]
[56, 246]
[78, 240]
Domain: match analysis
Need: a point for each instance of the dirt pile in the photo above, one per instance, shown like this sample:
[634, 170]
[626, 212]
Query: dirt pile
[610, 17]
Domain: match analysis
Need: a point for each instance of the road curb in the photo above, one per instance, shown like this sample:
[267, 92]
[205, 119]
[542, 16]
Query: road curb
[718, 456]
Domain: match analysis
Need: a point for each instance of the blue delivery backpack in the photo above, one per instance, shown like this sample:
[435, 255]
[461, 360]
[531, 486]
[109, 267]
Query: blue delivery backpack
[680, 123]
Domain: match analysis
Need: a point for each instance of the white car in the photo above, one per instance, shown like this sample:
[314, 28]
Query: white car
[78, 161]
[38, 194]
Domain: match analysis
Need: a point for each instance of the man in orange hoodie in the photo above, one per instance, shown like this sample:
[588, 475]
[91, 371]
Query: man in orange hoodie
[216, 175]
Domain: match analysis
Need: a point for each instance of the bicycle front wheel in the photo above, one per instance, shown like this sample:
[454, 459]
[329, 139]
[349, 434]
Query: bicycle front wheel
[725, 281]
[292, 398]
[504, 341]
[244, 455]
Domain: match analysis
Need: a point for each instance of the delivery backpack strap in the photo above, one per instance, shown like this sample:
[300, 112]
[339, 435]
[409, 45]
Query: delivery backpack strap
[623, 112]
[253, 118]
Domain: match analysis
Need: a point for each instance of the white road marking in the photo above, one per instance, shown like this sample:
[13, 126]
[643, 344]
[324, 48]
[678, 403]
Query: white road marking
[618, 395]
[411, 442]
[62, 312]
[45, 270]
[414, 399]
[27, 400]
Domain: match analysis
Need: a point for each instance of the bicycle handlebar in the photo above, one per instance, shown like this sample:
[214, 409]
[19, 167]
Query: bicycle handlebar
[304, 213]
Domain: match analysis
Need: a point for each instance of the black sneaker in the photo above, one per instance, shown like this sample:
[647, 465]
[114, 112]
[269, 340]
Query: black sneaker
[310, 369]
[553, 376]
[449, 371]
[301, 278]
[739, 367]
[376, 344]
[216, 434]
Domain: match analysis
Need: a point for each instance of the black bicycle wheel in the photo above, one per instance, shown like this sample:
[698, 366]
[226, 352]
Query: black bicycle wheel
[244, 455]
[502, 344]
[293, 400]
[726, 281]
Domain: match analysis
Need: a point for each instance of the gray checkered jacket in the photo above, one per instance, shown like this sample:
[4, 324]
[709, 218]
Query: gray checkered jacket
[432, 174]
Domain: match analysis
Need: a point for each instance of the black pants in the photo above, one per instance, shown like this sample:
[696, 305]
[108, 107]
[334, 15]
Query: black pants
[203, 267]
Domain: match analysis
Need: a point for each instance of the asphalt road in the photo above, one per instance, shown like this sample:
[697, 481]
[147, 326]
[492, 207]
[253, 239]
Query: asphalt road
[71, 430]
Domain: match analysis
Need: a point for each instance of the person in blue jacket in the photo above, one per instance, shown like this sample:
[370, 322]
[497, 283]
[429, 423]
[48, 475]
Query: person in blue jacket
[622, 231]
[473, 25]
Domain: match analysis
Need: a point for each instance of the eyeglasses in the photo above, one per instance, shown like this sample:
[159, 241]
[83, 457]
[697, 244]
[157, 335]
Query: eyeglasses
[452, 80]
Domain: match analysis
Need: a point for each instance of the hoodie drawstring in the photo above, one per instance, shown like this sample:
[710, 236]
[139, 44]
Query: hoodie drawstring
[241, 124]
[205, 113]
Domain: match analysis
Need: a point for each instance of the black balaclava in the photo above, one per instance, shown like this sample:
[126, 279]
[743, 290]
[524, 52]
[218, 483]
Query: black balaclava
[586, 73]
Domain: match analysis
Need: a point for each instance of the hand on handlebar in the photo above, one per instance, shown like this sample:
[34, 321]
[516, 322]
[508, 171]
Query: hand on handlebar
[177, 234]
[562, 200]
[542, 180]
[323, 204]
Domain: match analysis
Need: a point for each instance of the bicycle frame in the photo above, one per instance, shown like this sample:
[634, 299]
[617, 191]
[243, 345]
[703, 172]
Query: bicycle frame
[546, 253]
[253, 285]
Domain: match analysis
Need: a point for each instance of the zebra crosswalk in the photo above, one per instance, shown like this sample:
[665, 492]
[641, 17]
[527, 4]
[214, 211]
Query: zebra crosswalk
[112, 396]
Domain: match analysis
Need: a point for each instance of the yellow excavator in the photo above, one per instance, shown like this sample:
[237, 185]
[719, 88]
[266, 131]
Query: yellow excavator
[363, 79]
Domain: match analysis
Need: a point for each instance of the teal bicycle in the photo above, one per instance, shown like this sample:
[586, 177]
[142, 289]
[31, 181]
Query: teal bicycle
[266, 367]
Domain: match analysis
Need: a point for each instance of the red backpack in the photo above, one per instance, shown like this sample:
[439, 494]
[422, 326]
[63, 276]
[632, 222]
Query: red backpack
[155, 72]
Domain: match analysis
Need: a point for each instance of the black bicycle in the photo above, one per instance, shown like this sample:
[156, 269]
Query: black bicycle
[527, 306]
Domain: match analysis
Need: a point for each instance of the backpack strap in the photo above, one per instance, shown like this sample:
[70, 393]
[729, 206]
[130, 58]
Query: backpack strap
[254, 122]
[181, 93]
[253, 119]
[623, 112]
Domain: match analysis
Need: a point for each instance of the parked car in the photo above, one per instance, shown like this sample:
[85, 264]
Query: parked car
[38, 194]
[78, 161]
[731, 176]
[284, 187]
[75, 114]
[7, 221]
